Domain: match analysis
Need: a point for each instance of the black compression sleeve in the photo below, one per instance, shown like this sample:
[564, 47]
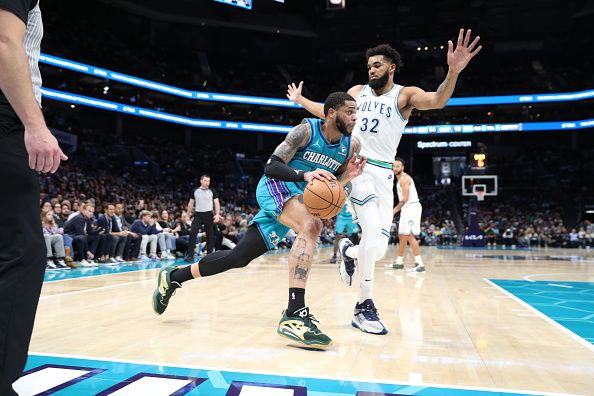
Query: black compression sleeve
[277, 169]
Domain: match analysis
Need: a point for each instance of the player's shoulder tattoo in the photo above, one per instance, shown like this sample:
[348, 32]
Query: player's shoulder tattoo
[296, 138]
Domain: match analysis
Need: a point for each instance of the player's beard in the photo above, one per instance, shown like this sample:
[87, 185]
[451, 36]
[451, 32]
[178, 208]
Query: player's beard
[379, 82]
[342, 127]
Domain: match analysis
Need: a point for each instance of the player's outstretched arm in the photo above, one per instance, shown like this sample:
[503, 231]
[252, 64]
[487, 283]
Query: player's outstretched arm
[294, 95]
[458, 59]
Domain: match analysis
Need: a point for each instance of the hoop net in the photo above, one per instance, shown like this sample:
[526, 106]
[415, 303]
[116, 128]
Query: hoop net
[480, 195]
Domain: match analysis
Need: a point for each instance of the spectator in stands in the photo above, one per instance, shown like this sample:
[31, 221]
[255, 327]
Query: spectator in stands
[183, 233]
[117, 237]
[57, 215]
[54, 242]
[574, 238]
[79, 228]
[148, 234]
[165, 239]
[132, 248]
[65, 211]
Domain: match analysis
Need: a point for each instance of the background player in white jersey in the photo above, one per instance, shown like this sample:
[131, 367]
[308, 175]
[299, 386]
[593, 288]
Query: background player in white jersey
[383, 109]
[410, 210]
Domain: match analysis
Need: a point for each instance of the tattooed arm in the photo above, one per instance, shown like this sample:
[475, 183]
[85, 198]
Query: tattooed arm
[277, 167]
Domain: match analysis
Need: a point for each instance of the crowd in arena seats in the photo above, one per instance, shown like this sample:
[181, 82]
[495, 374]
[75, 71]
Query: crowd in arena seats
[155, 193]
[520, 220]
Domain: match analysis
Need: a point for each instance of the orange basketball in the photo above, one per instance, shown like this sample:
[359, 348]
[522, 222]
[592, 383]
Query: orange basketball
[323, 199]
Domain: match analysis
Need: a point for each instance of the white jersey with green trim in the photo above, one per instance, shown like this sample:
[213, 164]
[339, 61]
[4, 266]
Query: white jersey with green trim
[413, 196]
[379, 123]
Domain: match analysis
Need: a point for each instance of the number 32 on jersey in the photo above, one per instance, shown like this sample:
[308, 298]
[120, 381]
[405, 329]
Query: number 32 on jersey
[369, 124]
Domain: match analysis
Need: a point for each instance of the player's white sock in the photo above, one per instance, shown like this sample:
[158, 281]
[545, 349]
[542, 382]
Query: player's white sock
[419, 261]
[366, 290]
[371, 243]
[400, 260]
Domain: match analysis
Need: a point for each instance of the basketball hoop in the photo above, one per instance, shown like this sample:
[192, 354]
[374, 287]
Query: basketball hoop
[480, 195]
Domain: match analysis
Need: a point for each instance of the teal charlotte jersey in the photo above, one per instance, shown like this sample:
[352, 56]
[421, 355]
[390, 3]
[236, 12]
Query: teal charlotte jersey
[272, 194]
[344, 222]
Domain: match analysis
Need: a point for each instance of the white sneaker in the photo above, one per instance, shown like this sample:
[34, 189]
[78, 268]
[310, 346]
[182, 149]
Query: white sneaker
[85, 263]
[50, 265]
[60, 264]
[367, 320]
[416, 268]
[347, 264]
[119, 259]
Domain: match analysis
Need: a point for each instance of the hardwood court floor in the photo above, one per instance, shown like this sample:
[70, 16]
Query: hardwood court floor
[447, 326]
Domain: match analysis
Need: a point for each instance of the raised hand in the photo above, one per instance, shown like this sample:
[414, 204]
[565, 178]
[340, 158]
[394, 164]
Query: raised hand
[355, 166]
[464, 52]
[294, 91]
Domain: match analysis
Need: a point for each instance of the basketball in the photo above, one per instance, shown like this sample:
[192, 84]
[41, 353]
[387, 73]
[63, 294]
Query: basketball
[324, 199]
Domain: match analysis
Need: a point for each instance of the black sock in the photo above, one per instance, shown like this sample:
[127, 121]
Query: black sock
[182, 275]
[296, 300]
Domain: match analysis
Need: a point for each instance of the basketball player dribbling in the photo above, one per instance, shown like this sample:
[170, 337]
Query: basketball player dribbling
[410, 210]
[315, 149]
[383, 109]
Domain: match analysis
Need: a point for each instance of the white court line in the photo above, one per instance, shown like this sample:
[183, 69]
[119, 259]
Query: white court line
[133, 283]
[557, 285]
[545, 317]
[415, 378]
[293, 375]
[529, 277]
[98, 276]
[95, 289]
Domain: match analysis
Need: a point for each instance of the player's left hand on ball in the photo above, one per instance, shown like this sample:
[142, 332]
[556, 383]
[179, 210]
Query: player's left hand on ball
[320, 174]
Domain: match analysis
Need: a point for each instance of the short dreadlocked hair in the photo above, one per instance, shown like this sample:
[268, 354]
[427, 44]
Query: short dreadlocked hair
[387, 51]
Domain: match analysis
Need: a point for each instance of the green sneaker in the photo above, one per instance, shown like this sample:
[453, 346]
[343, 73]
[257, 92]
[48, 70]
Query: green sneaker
[165, 290]
[301, 328]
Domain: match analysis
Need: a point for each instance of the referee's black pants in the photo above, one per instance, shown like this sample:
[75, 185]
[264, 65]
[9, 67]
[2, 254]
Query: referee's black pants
[206, 221]
[22, 253]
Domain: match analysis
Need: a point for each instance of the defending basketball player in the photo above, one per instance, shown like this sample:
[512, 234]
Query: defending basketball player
[383, 109]
[409, 226]
[315, 149]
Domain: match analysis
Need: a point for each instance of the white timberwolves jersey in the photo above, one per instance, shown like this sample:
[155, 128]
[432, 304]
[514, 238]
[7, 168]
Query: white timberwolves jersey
[379, 123]
[413, 196]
